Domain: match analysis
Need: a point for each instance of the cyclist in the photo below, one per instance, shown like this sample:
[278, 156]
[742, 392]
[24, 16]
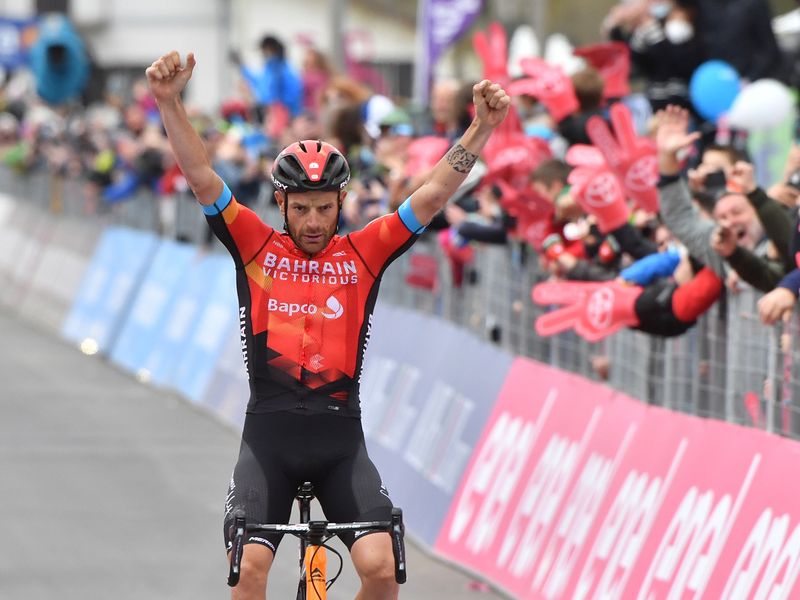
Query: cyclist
[305, 302]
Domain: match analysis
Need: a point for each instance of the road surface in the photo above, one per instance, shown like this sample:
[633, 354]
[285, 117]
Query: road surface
[111, 489]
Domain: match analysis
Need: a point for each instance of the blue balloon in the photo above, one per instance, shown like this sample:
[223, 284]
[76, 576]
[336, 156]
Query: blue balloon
[713, 88]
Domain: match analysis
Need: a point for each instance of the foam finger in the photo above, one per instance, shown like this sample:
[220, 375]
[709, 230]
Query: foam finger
[623, 125]
[557, 321]
[600, 134]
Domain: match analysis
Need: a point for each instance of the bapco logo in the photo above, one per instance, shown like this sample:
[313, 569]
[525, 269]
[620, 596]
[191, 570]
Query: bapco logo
[333, 308]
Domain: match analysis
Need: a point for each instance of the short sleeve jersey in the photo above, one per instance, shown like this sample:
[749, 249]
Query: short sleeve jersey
[305, 321]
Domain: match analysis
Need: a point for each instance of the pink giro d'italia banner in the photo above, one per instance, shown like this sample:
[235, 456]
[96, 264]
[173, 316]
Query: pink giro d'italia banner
[577, 491]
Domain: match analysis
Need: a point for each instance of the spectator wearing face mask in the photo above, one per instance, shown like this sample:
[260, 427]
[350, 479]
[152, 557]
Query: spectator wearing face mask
[665, 50]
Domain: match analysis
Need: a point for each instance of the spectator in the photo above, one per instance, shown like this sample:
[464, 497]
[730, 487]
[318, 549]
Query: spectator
[449, 108]
[316, 73]
[589, 86]
[276, 87]
[665, 50]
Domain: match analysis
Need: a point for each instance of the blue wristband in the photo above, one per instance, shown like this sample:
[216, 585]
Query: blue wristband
[409, 219]
[220, 203]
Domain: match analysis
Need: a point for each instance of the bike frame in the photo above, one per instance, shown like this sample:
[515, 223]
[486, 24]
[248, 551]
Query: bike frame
[312, 536]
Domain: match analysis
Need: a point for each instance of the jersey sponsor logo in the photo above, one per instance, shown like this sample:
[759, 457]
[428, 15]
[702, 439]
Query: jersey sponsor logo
[333, 308]
[297, 270]
[279, 185]
[243, 337]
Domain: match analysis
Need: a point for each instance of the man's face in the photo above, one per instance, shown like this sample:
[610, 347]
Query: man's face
[716, 160]
[311, 218]
[735, 212]
[443, 100]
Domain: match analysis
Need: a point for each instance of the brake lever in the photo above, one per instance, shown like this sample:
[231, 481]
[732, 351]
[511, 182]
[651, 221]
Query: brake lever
[398, 545]
[237, 547]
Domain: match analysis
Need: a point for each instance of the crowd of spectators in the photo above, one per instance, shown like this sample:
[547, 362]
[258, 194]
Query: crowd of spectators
[665, 253]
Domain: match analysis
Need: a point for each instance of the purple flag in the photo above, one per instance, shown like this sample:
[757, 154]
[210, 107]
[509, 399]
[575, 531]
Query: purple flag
[440, 23]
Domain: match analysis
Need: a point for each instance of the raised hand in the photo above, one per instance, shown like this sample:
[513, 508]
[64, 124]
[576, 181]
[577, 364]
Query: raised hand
[673, 138]
[548, 84]
[593, 310]
[597, 188]
[742, 177]
[491, 103]
[632, 158]
[167, 76]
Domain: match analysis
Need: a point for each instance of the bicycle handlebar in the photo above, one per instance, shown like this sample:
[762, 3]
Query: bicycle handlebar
[313, 531]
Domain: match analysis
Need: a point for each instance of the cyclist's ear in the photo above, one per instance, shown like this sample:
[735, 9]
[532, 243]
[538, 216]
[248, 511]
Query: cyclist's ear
[280, 198]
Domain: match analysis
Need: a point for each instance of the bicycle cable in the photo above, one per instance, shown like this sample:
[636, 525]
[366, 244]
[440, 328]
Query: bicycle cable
[330, 582]
[341, 564]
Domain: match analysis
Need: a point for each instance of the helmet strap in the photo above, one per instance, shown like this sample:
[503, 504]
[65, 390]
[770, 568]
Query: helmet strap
[286, 212]
[339, 203]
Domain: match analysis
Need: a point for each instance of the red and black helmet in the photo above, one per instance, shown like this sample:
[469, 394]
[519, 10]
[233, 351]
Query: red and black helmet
[310, 165]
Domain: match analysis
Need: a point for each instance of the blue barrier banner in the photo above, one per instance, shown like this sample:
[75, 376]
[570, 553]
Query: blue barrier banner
[182, 316]
[427, 390]
[149, 313]
[109, 284]
[228, 391]
[218, 317]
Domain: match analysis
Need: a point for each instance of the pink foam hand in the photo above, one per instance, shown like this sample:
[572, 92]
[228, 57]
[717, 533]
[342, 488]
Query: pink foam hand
[599, 192]
[613, 60]
[631, 157]
[423, 153]
[492, 48]
[513, 156]
[548, 84]
[592, 310]
[583, 155]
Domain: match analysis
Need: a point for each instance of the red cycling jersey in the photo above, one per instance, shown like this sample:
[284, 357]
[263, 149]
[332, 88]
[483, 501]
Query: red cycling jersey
[305, 322]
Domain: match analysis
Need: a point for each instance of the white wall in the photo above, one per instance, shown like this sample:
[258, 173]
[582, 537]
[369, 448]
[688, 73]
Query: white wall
[392, 39]
[17, 9]
[134, 32]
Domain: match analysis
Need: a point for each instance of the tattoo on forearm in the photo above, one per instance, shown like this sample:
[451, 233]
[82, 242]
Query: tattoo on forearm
[461, 160]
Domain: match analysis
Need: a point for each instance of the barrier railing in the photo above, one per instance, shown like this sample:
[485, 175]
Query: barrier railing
[729, 366]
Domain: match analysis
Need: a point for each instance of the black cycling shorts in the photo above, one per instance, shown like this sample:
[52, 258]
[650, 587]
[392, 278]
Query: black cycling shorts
[281, 450]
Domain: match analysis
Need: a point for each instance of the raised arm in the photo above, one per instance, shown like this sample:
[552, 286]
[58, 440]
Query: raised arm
[491, 107]
[167, 77]
[677, 210]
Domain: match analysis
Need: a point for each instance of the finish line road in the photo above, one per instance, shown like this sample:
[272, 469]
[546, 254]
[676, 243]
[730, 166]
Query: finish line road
[112, 489]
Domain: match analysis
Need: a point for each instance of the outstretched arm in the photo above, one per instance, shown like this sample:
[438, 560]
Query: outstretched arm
[167, 77]
[491, 107]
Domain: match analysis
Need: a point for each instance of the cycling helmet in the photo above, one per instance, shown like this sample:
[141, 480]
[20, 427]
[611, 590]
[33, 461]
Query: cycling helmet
[310, 165]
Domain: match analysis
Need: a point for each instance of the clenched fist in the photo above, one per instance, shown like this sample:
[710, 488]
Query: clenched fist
[491, 103]
[167, 76]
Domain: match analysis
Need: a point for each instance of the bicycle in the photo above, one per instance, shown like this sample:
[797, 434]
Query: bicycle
[313, 536]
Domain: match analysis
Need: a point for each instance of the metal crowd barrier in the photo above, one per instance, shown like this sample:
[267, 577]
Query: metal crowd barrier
[729, 366]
